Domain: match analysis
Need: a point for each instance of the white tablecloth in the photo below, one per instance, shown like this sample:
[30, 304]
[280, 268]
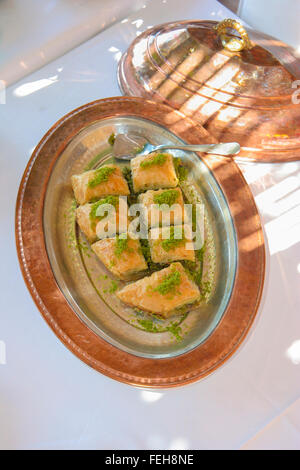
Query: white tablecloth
[48, 398]
[34, 32]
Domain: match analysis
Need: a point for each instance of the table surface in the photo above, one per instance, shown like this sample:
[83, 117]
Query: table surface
[34, 32]
[48, 398]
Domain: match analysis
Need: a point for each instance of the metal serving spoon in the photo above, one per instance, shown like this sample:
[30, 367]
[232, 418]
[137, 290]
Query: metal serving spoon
[128, 147]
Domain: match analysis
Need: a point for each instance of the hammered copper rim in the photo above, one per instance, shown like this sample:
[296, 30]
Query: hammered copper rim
[38, 275]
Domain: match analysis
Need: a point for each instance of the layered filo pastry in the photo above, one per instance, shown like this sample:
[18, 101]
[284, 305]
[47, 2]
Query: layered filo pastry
[121, 255]
[161, 293]
[104, 218]
[94, 184]
[153, 171]
[156, 281]
[163, 207]
[168, 244]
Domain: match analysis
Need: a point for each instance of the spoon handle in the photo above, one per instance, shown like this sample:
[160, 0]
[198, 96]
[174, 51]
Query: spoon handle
[220, 149]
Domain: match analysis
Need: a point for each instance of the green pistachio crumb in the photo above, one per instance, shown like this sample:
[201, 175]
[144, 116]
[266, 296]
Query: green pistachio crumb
[113, 287]
[111, 139]
[101, 176]
[121, 246]
[112, 200]
[158, 159]
[173, 241]
[181, 170]
[168, 197]
[169, 283]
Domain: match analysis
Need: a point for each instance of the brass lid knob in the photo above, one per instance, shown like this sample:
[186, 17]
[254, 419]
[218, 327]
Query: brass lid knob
[233, 44]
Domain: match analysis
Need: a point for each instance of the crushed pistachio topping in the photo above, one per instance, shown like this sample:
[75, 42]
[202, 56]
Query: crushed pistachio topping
[158, 159]
[132, 199]
[127, 175]
[145, 250]
[101, 176]
[169, 283]
[205, 289]
[148, 325]
[180, 169]
[176, 331]
[121, 246]
[195, 270]
[112, 200]
[113, 287]
[176, 239]
[111, 139]
[168, 197]
[152, 327]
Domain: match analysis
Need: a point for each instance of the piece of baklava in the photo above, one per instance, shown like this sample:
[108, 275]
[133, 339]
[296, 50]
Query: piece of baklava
[163, 207]
[112, 219]
[105, 181]
[168, 244]
[153, 171]
[122, 256]
[161, 293]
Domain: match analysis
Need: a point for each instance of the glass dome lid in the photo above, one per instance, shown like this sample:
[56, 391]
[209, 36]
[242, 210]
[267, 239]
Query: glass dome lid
[240, 87]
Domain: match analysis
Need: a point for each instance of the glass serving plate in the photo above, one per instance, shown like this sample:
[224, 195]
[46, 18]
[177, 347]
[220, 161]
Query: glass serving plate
[86, 283]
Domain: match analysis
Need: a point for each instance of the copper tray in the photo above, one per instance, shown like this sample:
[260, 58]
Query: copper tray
[99, 352]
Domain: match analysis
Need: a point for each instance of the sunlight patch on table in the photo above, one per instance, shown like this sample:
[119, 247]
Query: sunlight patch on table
[267, 199]
[32, 87]
[2, 353]
[151, 397]
[293, 352]
[253, 172]
[284, 231]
